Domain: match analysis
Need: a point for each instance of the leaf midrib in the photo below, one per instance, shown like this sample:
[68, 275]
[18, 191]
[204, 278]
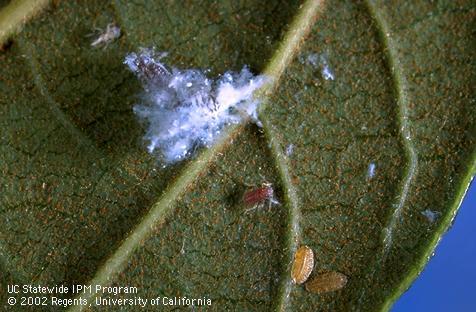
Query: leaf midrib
[16, 14]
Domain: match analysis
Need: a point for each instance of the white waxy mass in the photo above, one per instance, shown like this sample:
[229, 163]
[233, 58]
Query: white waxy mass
[185, 109]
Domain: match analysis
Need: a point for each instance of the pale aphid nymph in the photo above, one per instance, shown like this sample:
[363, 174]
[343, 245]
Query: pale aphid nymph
[111, 33]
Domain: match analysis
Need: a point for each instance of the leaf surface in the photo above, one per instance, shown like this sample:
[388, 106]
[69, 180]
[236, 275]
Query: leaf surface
[83, 202]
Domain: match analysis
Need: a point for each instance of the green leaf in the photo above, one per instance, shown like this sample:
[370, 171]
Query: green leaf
[82, 202]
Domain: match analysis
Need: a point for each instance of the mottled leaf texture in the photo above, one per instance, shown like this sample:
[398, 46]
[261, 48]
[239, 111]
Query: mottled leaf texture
[368, 129]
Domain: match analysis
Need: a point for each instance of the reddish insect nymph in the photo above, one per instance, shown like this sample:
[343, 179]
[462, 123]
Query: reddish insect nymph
[259, 196]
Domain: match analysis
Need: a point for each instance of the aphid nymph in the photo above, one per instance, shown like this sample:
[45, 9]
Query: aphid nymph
[147, 66]
[260, 196]
[111, 33]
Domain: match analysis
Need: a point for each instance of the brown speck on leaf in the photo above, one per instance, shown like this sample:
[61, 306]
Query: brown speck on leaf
[5, 46]
[303, 265]
[55, 4]
[326, 282]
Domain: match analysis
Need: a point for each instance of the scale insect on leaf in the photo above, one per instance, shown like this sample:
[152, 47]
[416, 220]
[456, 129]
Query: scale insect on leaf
[302, 265]
[326, 282]
[259, 196]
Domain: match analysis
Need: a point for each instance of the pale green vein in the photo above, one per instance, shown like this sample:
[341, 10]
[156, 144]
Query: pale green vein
[16, 14]
[303, 24]
[412, 169]
[442, 228]
[294, 215]
[160, 210]
[401, 86]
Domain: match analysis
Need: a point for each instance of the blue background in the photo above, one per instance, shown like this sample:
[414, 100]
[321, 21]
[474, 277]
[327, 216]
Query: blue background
[448, 283]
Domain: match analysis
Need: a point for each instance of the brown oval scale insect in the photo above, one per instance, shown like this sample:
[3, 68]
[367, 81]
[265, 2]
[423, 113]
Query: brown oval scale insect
[326, 282]
[303, 265]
